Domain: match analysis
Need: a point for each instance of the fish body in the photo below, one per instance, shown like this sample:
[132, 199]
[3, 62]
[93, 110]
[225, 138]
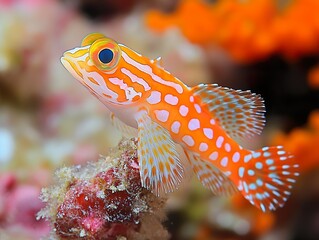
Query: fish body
[142, 98]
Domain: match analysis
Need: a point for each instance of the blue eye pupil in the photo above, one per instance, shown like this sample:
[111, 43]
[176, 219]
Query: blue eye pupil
[106, 56]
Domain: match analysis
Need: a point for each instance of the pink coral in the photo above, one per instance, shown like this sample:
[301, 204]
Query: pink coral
[18, 207]
[104, 200]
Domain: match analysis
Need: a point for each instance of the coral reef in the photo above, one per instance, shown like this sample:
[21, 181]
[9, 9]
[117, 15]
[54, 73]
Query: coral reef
[104, 200]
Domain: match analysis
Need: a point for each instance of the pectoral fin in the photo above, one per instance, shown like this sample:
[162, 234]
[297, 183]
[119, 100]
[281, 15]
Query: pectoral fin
[160, 167]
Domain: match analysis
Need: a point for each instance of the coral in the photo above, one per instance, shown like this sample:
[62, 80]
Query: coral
[303, 143]
[313, 77]
[19, 204]
[104, 200]
[248, 30]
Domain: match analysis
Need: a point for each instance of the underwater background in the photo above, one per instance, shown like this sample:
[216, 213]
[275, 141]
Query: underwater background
[48, 120]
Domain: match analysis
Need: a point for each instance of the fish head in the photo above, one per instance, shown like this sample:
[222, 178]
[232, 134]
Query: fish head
[99, 66]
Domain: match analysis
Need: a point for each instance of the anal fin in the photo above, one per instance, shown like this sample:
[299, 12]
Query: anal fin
[210, 176]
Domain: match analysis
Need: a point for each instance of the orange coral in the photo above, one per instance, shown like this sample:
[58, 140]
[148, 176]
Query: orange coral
[313, 77]
[303, 143]
[249, 30]
[260, 222]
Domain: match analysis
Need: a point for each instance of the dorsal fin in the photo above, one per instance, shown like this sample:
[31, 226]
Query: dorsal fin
[240, 113]
[158, 61]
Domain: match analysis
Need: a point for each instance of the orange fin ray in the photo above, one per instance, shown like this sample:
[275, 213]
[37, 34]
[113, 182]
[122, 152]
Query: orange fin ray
[160, 168]
[267, 177]
[240, 113]
[210, 176]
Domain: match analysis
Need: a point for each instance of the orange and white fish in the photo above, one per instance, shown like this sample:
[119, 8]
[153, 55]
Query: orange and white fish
[146, 100]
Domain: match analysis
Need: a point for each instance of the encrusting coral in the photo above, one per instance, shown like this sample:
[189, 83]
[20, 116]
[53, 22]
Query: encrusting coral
[104, 200]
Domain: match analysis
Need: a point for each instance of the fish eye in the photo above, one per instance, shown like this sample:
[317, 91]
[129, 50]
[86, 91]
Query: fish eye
[105, 54]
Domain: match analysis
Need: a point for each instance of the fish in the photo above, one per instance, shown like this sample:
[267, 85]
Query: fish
[144, 100]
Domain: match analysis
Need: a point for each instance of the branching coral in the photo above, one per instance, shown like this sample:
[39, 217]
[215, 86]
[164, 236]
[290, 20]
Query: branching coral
[104, 200]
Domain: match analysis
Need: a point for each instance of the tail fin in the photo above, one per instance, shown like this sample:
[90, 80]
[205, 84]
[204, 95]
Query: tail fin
[267, 178]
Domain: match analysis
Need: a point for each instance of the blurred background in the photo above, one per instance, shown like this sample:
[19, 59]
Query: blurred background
[48, 120]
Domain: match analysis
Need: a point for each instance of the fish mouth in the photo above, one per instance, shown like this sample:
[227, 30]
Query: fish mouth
[66, 61]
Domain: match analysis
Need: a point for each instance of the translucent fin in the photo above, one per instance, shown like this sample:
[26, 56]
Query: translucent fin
[160, 167]
[240, 113]
[210, 176]
[267, 176]
[126, 130]
[158, 61]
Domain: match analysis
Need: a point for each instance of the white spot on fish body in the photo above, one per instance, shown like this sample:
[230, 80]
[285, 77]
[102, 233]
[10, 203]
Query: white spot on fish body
[247, 158]
[266, 154]
[191, 99]
[281, 152]
[252, 186]
[259, 165]
[171, 99]
[203, 147]
[224, 161]
[162, 115]
[256, 154]
[269, 161]
[175, 127]
[183, 110]
[154, 98]
[227, 147]
[193, 124]
[259, 182]
[208, 132]
[219, 141]
[213, 156]
[188, 140]
[236, 157]
[241, 171]
[197, 108]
